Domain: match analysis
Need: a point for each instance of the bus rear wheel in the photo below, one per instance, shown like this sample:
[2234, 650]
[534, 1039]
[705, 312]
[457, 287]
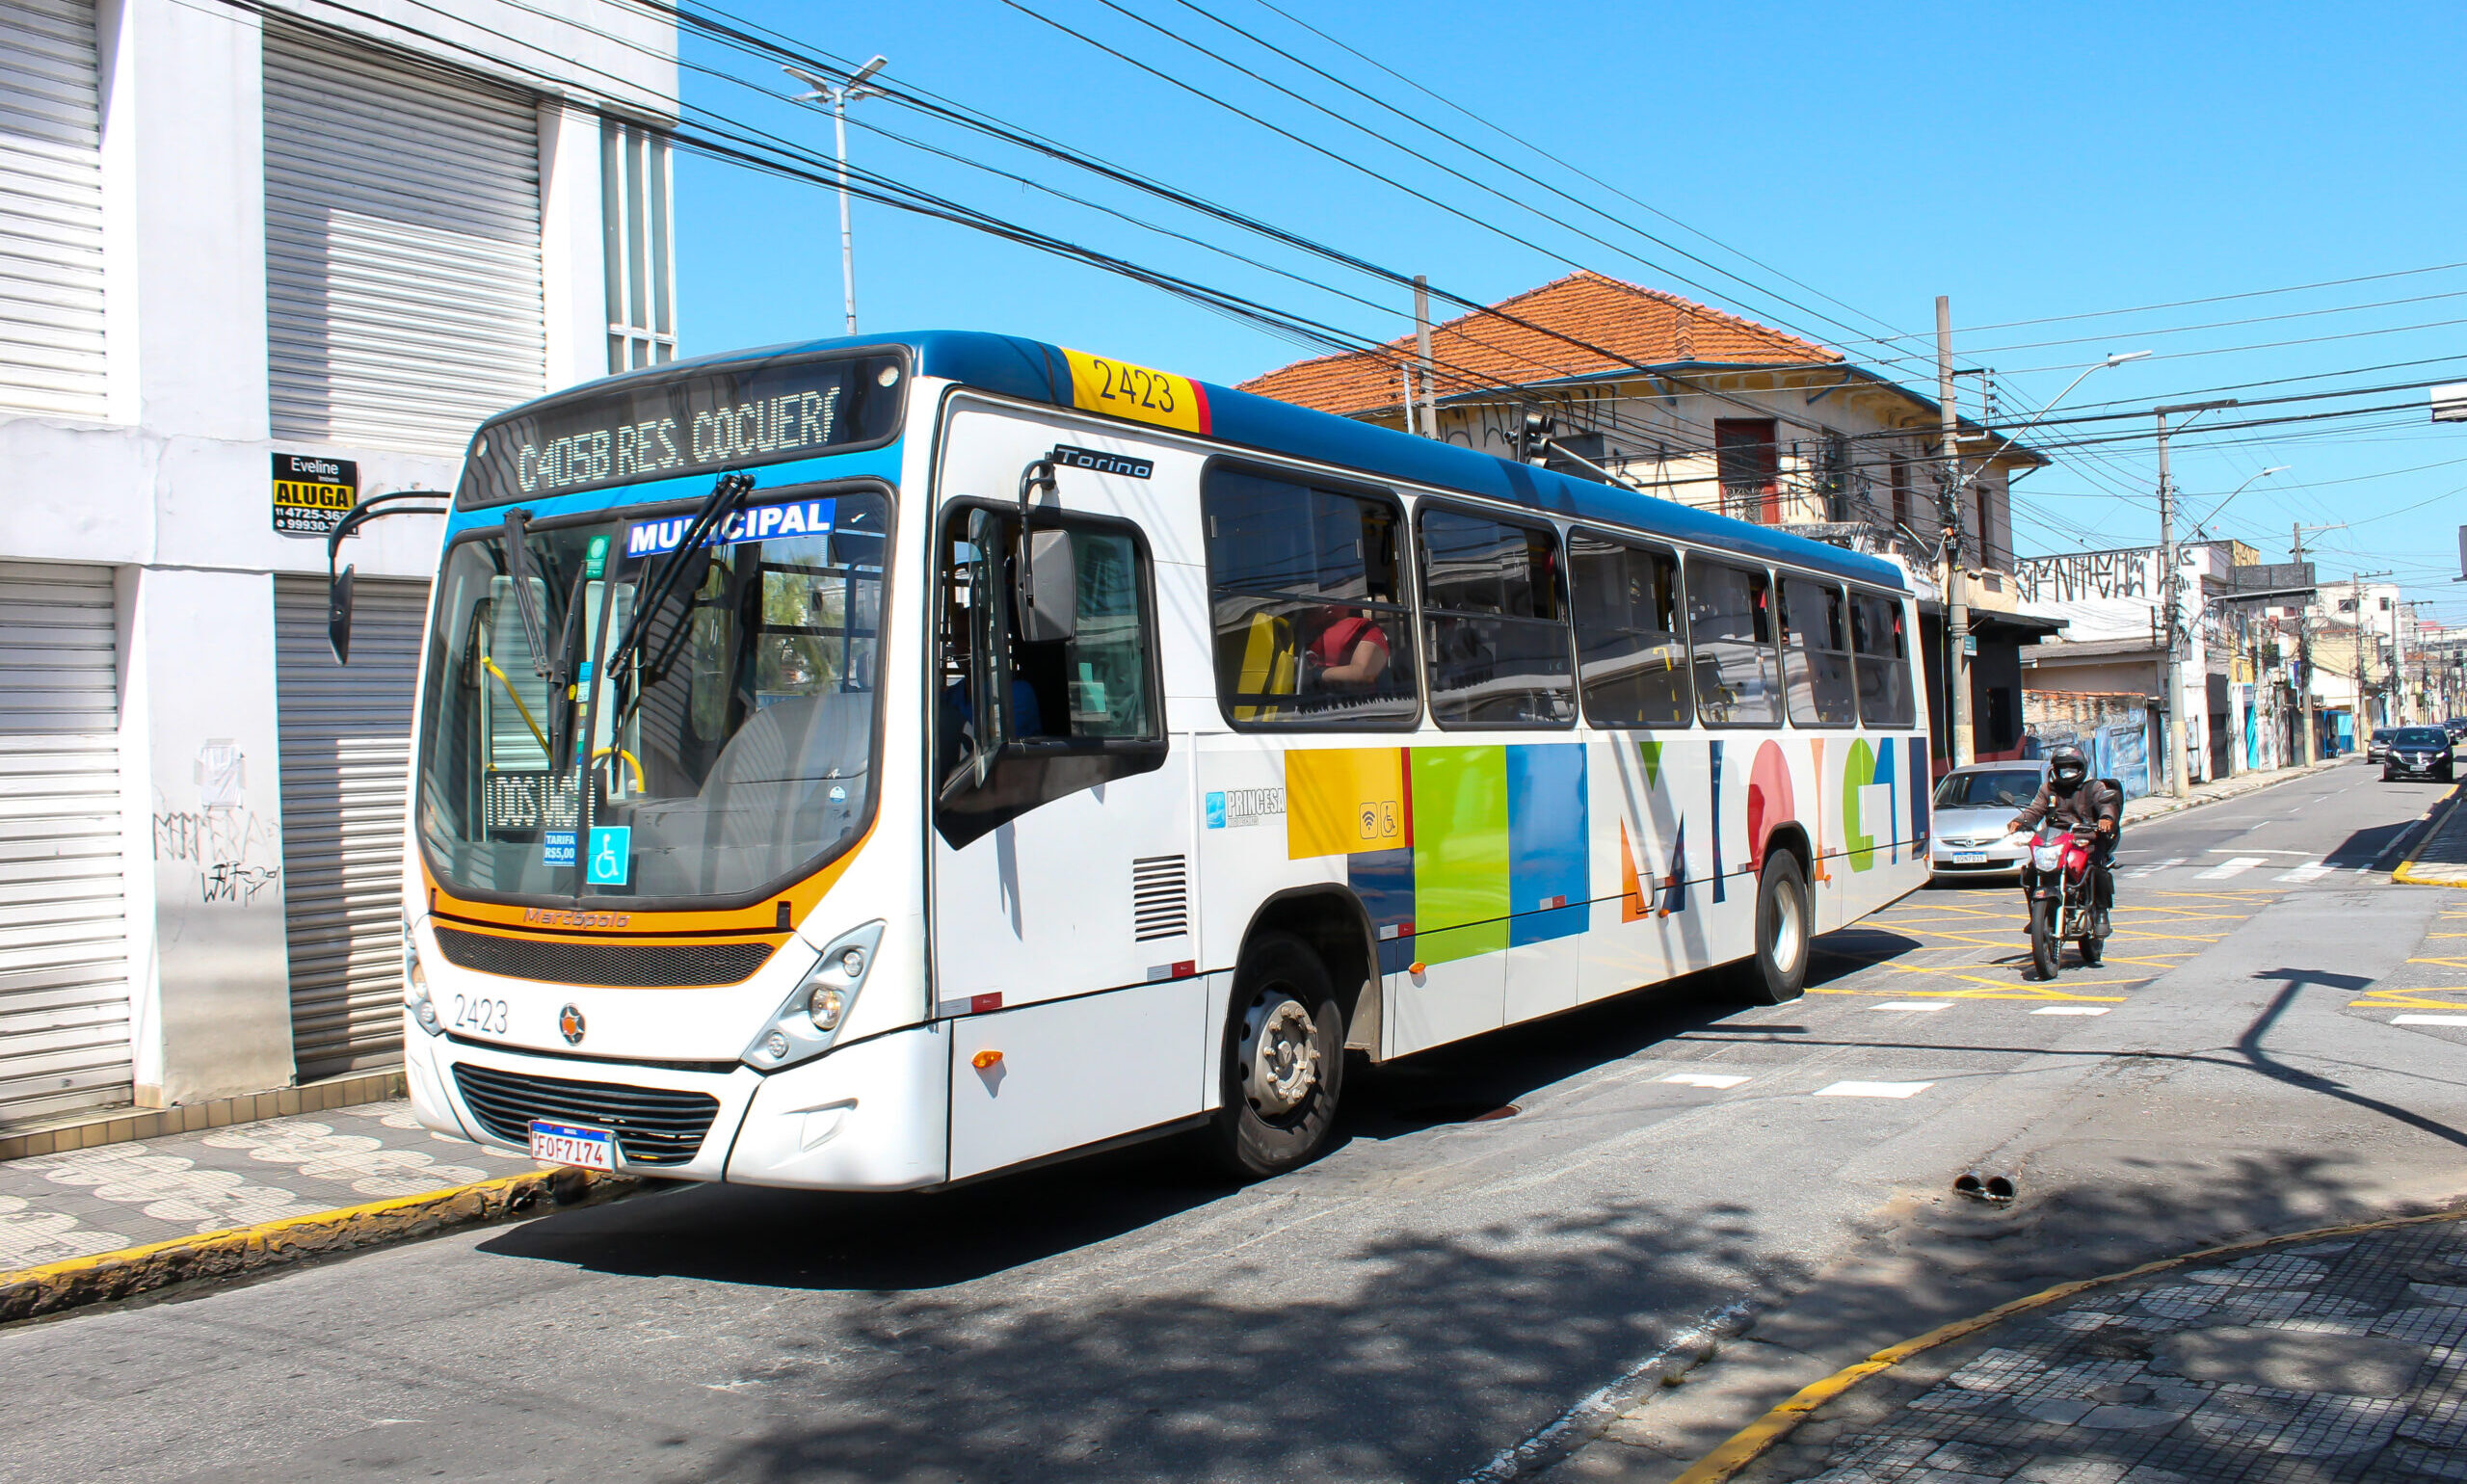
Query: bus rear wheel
[1284, 1060]
[1785, 922]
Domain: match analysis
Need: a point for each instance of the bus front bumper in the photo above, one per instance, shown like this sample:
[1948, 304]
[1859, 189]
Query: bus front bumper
[866, 1116]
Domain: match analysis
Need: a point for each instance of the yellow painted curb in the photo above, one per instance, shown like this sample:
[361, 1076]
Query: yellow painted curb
[1752, 1442]
[2405, 873]
[131, 1270]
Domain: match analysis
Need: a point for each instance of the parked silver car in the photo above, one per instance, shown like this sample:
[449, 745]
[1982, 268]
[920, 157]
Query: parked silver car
[1974, 804]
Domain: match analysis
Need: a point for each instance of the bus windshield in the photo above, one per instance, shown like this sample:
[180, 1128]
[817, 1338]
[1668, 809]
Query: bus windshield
[731, 748]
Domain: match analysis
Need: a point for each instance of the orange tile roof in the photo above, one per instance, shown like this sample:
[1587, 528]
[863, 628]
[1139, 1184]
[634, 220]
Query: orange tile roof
[1527, 338]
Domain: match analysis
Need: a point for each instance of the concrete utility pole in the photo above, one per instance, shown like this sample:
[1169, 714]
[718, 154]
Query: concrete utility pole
[1964, 746]
[2179, 772]
[1421, 353]
[2304, 648]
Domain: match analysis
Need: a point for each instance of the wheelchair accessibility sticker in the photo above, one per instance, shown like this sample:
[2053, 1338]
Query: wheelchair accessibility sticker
[612, 856]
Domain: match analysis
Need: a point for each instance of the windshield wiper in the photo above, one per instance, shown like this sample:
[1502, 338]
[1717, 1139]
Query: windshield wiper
[726, 496]
[518, 570]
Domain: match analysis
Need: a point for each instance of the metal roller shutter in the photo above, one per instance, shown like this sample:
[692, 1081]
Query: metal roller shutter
[63, 928]
[346, 734]
[51, 209]
[402, 291]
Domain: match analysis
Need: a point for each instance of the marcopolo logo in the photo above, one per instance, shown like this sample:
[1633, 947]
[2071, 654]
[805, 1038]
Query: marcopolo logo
[758, 522]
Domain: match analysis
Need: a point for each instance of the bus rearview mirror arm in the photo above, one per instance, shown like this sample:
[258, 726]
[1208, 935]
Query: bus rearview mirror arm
[339, 588]
[1048, 599]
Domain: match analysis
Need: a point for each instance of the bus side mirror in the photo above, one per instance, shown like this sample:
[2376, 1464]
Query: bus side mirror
[1048, 589]
[338, 616]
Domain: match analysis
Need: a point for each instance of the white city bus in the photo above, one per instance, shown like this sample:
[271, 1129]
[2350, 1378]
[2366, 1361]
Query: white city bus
[871, 764]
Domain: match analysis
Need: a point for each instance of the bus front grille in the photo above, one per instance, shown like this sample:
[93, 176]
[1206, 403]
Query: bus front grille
[653, 1125]
[610, 965]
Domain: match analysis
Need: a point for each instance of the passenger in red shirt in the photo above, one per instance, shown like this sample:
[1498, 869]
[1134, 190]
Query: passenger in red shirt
[1350, 652]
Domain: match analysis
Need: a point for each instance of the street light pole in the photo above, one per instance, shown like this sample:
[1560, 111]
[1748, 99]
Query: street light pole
[2179, 773]
[840, 95]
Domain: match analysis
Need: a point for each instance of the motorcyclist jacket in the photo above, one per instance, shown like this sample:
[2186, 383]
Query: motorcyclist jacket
[2084, 804]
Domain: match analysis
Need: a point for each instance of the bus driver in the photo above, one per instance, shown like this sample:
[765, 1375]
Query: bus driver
[1349, 653]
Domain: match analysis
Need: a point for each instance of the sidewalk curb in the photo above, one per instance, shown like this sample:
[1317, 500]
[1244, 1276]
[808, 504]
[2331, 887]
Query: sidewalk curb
[2434, 821]
[77, 1282]
[1757, 1438]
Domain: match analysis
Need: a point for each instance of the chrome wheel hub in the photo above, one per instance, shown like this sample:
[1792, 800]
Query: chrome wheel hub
[1281, 1056]
[1789, 929]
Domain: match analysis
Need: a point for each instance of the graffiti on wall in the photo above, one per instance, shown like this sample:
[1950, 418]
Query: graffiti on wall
[2113, 731]
[232, 854]
[2079, 574]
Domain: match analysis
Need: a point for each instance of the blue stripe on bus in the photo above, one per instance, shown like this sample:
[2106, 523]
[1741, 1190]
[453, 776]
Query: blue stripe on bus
[1549, 851]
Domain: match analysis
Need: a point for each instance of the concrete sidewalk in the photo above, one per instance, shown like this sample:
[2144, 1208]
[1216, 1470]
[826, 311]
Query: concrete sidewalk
[2336, 1357]
[2157, 804]
[115, 1196]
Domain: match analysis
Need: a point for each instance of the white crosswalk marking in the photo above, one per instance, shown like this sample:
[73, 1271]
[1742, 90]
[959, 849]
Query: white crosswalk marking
[2070, 1010]
[2312, 872]
[2154, 867]
[1718, 1081]
[2429, 1019]
[1874, 1089]
[1914, 1004]
[2234, 867]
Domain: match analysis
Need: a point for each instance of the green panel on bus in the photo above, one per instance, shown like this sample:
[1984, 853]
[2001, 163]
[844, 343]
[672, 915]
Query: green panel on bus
[1460, 851]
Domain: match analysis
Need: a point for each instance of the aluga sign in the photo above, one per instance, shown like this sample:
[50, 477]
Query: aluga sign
[906, 800]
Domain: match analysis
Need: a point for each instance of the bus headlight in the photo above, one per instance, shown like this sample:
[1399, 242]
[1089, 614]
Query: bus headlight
[416, 986]
[804, 1026]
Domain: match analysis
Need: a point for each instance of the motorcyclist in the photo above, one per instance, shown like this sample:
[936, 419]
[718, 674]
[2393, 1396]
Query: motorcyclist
[2071, 796]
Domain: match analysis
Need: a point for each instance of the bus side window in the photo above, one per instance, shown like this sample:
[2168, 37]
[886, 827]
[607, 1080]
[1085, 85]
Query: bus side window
[1816, 655]
[1498, 640]
[1307, 589]
[1630, 651]
[1883, 661]
[1730, 626]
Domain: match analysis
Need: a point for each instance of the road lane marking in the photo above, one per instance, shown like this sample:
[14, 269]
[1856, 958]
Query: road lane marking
[2313, 872]
[2429, 1019]
[2153, 868]
[2070, 1010]
[1914, 1004]
[2236, 867]
[1718, 1081]
[1874, 1089]
[2229, 850]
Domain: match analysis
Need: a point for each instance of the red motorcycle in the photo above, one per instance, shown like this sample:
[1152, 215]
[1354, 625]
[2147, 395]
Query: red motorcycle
[2057, 883]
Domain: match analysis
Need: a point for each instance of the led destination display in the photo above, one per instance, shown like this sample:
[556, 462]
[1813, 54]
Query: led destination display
[764, 413]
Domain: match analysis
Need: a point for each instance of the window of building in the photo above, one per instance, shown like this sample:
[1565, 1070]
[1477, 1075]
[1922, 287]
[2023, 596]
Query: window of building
[1496, 616]
[1730, 628]
[1900, 470]
[1816, 655]
[1882, 658]
[1750, 462]
[635, 203]
[1632, 657]
[1986, 528]
[1307, 589]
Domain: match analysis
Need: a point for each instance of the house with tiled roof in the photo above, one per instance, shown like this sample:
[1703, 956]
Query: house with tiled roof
[1692, 404]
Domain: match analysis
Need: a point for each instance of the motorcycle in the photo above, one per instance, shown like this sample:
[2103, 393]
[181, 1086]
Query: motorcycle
[2057, 886]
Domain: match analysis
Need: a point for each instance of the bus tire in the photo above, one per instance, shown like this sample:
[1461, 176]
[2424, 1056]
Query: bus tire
[1282, 1064]
[1785, 923]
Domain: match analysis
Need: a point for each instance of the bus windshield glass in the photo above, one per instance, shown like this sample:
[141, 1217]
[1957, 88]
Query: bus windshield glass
[732, 744]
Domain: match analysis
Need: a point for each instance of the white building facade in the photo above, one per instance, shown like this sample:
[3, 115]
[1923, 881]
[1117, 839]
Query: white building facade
[257, 262]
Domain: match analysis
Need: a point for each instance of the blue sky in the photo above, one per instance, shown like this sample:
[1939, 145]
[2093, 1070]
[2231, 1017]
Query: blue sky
[2030, 162]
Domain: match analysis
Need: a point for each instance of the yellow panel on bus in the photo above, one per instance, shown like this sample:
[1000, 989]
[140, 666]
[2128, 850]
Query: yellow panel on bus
[1345, 800]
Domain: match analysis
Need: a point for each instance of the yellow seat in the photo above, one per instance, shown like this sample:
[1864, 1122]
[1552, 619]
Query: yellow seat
[1269, 660]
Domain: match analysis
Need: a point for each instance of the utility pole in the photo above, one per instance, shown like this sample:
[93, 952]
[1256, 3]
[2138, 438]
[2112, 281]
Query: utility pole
[1421, 353]
[1964, 748]
[2179, 772]
[2304, 648]
[839, 96]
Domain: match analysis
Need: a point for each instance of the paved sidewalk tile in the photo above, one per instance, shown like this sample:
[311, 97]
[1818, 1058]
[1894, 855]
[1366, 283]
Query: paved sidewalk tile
[2342, 1359]
[57, 1207]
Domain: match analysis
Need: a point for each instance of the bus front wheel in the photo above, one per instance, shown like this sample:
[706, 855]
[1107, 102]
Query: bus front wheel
[1284, 1060]
[1785, 915]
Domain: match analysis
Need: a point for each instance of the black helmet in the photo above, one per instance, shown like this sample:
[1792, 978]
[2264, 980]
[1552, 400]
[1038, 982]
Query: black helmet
[2066, 767]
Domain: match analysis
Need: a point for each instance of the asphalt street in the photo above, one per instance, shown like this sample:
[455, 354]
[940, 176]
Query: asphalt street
[1444, 1284]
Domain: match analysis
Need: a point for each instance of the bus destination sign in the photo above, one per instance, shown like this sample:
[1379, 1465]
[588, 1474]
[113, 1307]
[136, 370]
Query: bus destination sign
[312, 495]
[696, 422]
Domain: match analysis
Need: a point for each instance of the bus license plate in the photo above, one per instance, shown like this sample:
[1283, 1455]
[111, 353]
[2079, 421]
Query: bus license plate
[1970, 858]
[589, 1149]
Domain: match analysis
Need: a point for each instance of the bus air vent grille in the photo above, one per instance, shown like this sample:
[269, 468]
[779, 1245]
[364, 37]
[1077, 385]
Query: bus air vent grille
[652, 1124]
[1161, 897]
[610, 965]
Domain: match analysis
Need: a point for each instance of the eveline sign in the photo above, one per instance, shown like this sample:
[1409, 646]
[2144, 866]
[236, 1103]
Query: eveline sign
[312, 494]
[693, 422]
